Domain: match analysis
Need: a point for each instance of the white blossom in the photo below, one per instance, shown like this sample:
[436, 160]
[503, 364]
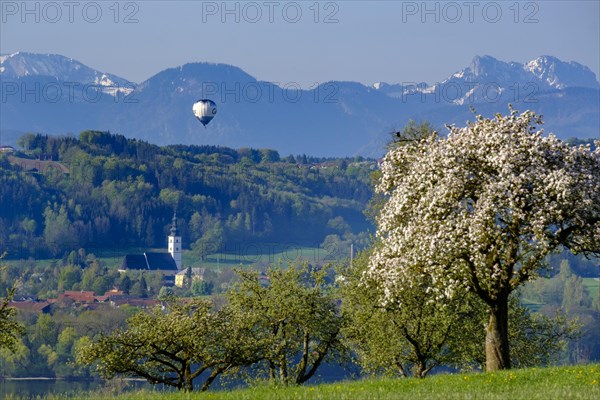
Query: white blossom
[481, 208]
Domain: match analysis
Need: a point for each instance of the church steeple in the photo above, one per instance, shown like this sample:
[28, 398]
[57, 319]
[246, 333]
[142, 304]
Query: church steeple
[175, 242]
[174, 230]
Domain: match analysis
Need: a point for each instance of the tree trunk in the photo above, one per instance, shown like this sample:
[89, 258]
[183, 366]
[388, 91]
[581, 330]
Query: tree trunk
[189, 381]
[400, 367]
[301, 368]
[419, 369]
[497, 354]
[283, 372]
[320, 356]
[216, 372]
[271, 371]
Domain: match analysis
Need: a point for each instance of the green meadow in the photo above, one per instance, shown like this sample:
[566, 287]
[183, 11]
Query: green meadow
[571, 382]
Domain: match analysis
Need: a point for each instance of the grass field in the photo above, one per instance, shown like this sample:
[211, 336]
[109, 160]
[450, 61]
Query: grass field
[574, 382]
[264, 254]
[592, 285]
[111, 257]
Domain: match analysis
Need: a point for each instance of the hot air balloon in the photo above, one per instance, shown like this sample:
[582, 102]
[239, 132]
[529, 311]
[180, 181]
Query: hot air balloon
[205, 110]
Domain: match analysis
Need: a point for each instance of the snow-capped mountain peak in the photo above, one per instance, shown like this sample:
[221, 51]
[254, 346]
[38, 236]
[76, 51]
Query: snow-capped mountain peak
[64, 69]
[487, 78]
[560, 74]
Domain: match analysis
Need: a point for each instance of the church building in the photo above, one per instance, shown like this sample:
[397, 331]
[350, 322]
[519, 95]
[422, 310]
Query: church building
[169, 262]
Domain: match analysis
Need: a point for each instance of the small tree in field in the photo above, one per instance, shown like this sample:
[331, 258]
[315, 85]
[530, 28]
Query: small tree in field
[408, 336]
[175, 347]
[293, 319]
[412, 335]
[481, 209]
[10, 329]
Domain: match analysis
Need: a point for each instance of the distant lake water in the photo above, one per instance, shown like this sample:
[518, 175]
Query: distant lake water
[31, 388]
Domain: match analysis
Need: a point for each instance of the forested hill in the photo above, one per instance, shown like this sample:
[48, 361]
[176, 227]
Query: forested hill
[121, 192]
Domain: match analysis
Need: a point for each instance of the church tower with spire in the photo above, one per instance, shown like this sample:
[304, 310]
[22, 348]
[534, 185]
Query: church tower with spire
[175, 243]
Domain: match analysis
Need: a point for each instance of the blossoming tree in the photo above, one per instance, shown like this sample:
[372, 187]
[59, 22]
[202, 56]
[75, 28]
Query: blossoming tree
[481, 210]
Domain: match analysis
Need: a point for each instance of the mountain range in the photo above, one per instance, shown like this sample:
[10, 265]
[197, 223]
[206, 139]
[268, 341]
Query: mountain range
[58, 95]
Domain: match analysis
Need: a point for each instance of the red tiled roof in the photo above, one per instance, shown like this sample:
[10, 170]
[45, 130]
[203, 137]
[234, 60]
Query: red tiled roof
[107, 295]
[81, 296]
[35, 306]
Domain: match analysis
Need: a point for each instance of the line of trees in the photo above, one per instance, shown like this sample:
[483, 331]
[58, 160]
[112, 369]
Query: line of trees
[283, 325]
[405, 341]
[282, 330]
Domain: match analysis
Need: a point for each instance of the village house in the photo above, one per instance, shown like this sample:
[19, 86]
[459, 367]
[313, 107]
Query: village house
[7, 149]
[189, 275]
[34, 306]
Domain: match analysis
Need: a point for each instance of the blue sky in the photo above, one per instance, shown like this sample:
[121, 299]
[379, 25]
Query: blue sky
[304, 41]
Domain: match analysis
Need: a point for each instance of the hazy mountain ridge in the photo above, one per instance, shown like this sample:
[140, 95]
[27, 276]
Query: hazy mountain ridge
[333, 119]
